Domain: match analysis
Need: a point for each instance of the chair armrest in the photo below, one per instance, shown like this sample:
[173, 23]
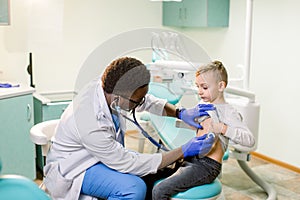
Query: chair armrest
[240, 148]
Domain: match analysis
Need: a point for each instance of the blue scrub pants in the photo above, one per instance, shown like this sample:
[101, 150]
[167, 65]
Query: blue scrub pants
[103, 182]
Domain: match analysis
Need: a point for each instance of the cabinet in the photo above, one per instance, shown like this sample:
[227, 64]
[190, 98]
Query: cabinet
[196, 13]
[4, 12]
[49, 106]
[16, 149]
[49, 111]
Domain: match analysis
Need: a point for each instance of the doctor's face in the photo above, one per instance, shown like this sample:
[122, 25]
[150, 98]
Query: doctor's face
[129, 102]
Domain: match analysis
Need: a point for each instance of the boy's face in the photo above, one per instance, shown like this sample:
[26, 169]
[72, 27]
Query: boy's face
[208, 87]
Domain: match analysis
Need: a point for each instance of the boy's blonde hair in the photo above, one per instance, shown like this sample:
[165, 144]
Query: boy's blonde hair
[217, 67]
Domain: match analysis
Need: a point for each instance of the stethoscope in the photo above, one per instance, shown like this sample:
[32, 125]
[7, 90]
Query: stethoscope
[115, 107]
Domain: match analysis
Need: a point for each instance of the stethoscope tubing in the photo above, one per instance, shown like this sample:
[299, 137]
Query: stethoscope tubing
[135, 122]
[145, 133]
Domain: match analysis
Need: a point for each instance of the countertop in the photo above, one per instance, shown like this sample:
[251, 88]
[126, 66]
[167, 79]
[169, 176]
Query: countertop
[57, 97]
[15, 91]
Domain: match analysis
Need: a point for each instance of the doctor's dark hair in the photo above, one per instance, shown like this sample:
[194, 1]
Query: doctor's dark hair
[217, 67]
[124, 76]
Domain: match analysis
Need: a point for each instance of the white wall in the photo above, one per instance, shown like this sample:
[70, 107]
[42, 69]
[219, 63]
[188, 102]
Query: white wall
[274, 77]
[61, 34]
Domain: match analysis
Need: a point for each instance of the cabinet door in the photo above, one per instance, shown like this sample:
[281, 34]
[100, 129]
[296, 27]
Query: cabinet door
[195, 13]
[218, 13]
[172, 14]
[16, 149]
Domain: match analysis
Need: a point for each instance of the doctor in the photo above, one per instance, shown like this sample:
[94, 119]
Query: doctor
[88, 157]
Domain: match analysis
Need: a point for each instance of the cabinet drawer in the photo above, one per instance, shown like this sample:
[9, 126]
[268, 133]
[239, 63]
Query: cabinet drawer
[53, 111]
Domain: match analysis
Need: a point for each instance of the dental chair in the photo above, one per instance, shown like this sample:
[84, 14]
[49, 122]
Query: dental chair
[173, 135]
[162, 91]
[41, 134]
[19, 187]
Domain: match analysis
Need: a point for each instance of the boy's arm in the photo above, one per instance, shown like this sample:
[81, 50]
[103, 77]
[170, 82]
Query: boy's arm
[233, 128]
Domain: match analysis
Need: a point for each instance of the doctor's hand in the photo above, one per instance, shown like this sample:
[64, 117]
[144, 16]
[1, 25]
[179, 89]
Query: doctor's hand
[198, 146]
[190, 116]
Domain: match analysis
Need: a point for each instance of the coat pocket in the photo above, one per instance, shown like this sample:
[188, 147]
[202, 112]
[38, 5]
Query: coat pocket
[57, 185]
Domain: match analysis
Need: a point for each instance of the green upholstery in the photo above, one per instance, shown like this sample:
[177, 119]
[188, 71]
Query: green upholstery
[226, 155]
[160, 90]
[171, 136]
[19, 187]
[206, 191]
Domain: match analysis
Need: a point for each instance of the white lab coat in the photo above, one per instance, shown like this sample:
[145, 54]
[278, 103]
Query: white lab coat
[85, 136]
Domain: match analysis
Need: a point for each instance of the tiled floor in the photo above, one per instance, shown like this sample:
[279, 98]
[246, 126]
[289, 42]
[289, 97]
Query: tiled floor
[236, 184]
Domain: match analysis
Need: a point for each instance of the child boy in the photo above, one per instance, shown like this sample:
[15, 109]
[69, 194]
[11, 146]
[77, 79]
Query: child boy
[224, 123]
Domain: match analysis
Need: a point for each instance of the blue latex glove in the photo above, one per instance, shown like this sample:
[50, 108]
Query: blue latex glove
[189, 115]
[198, 146]
[7, 85]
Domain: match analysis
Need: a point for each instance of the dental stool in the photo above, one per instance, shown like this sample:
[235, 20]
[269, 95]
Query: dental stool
[41, 134]
[19, 187]
[203, 192]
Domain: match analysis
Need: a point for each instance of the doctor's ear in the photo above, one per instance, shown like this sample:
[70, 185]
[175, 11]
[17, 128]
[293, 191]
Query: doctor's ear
[114, 97]
[222, 86]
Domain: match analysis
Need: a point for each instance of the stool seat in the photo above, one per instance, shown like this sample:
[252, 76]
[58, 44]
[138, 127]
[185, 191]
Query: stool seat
[207, 191]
